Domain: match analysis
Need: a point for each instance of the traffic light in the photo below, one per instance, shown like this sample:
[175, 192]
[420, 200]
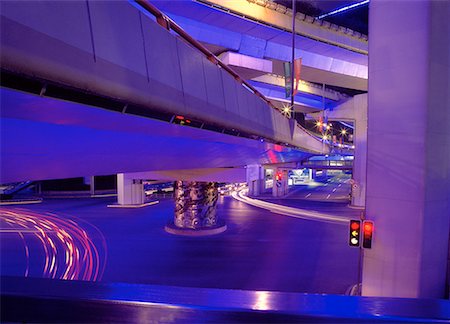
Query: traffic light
[367, 234]
[279, 175]
[355, 230]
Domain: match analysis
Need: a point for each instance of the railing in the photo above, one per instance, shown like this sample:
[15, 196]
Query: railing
[46, 300]
[331, 163]
[159, 195]
[14, 187]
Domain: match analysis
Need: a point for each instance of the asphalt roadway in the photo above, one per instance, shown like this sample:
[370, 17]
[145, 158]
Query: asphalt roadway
[261, 250]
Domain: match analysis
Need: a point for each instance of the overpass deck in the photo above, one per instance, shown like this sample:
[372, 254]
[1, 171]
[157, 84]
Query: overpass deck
[150, 68]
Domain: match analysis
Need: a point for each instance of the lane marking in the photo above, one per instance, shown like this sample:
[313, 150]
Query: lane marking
[307, 195]
[328, 196]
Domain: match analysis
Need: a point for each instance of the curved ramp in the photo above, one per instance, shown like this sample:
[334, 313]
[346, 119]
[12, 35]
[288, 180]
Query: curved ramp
[120, 51]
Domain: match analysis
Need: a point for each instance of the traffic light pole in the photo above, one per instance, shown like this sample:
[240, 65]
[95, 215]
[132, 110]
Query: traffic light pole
[293, 59]
[361, 259]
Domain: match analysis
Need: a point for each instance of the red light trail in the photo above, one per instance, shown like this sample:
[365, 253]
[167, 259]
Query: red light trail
[70, 254]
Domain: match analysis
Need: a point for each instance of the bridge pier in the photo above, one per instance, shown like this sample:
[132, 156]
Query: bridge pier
[355, 110]
[313, 174]
[408, 162]
[195, 209]
[255, 179]
[280, 184]
[130, 191]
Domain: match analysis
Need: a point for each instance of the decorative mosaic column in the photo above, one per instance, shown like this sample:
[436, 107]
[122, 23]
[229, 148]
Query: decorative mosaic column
[195, 209]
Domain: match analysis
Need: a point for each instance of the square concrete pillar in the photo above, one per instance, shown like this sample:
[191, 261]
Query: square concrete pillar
[129, 191]
[255, 179]
[408, 169]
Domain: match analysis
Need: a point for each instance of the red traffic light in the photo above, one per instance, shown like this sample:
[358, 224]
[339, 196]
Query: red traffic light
[367, 234]
[279, 175]
[354, 235]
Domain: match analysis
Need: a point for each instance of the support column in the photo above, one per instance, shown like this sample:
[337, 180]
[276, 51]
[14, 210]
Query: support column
[313, 174]
[92, 186]
[408, 169]
[129, 191]
[195, 209]
[360, 157]
[255, 179]
[280, 184]
[355, 110]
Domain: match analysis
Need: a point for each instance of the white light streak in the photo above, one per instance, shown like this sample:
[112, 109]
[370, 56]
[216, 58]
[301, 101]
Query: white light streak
[343, 9]
[289, 211]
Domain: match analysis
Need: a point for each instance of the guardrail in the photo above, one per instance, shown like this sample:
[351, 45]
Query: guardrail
[47, 300]
[339, 163]
[328, 165]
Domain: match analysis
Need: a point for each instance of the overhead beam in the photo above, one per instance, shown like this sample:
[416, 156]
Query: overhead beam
[237, 174]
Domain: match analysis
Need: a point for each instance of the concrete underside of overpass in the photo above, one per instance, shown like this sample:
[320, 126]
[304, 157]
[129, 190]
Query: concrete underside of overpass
[127, 65]
[44, 138]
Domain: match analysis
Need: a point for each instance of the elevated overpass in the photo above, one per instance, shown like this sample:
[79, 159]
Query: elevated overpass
[59, 60]
[79, 53]
[254, 37]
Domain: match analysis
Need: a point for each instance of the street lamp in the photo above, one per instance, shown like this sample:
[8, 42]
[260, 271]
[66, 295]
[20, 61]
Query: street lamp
[287, 110]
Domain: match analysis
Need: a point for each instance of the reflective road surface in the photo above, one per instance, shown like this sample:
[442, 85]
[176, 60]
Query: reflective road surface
[261, 250]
